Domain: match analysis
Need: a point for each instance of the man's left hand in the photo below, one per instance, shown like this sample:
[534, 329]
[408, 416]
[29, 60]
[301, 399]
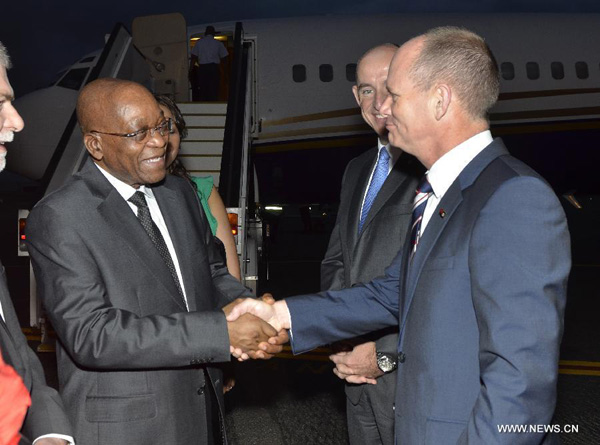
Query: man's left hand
[358, 365]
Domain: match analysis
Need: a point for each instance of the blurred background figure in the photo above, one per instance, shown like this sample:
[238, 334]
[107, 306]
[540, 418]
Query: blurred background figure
[212, 203]
[205, 74]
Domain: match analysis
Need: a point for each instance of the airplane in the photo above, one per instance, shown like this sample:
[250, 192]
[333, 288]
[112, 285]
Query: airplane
[290, 114]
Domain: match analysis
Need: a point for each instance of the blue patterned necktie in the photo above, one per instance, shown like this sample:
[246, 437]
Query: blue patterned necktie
[423, 193]
[379, 176]
[139, 200]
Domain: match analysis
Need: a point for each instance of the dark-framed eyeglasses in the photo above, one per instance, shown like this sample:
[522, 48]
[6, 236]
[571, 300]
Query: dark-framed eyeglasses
[139, 136]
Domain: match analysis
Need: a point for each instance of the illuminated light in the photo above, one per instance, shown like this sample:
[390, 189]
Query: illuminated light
[22, 224]
[233, 222]
[277, 208]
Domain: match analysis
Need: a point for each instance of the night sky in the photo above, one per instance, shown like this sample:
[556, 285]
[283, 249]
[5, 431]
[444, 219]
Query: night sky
[43, 37]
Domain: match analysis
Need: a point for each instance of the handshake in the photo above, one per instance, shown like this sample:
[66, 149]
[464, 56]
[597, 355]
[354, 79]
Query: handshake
[257, 327]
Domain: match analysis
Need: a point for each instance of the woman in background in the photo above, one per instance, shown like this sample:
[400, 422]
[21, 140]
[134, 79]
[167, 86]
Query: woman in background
[209, 196]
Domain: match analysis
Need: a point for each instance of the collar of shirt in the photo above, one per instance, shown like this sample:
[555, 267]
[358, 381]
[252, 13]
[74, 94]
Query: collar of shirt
[394, 153]
[446, 169]
[125, 190]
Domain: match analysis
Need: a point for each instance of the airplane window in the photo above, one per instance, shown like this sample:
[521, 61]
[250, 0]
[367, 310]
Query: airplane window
[326, 73]
[299, 73]
[73, 79]
[558, 70]
[533, 70]
[351, 72]
[508, 70]
[581, 69]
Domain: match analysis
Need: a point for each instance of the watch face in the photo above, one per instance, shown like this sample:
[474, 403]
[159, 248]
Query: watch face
[385, 362]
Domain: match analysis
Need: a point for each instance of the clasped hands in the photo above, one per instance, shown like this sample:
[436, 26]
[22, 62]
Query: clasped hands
[255, 328]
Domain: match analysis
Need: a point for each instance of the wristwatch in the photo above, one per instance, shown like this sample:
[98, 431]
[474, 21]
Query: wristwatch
[386, 362]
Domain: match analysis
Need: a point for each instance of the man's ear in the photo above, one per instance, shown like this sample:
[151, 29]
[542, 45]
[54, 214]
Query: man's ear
[355, 92]
[440, 100]
[93, 144]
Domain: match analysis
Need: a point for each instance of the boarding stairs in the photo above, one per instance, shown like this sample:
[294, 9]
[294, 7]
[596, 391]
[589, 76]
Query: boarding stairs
[201, 151]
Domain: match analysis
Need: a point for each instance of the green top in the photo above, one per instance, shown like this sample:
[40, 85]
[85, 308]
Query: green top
[205, 186]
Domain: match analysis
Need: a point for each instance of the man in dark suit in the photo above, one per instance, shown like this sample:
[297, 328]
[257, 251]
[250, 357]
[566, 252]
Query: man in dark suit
[134, 285]
[374, 215]
[479, 292]
[46, 421]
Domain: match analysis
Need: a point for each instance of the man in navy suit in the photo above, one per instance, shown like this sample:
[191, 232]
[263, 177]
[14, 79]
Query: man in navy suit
[479, 293]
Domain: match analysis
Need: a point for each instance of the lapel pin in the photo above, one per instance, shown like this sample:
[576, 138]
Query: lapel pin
[442, 213]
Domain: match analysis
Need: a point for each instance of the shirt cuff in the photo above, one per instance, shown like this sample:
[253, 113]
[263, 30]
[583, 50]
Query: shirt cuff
[69, 439]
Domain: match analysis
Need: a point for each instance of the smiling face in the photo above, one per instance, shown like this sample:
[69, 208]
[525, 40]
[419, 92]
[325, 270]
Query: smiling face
[129, 109]
[10, 120]
[409, 122]
[370, 91]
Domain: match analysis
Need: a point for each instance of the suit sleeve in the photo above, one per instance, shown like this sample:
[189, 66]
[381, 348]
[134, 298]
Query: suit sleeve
[337, 315]
[519, 260]
[97, 334]
[47, 413]
[332, 266]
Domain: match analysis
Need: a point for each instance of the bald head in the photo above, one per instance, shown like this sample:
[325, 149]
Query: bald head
[104, 98]
[124, 130]
[370, 91]
[462, 59]
[381, 52]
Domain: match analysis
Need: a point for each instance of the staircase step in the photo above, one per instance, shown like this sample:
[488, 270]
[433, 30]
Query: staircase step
[202, 163]
[205, 120]
[203, 107]
[205, 134]
[214, 148]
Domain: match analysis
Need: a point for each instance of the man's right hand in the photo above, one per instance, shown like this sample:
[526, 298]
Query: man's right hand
[247, 332]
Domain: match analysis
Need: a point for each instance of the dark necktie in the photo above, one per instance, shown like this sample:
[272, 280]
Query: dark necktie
[423, 192]
[139, 200]
[379, 176]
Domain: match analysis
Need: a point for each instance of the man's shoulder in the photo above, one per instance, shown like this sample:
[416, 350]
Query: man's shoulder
[368, 157]
[71, 194]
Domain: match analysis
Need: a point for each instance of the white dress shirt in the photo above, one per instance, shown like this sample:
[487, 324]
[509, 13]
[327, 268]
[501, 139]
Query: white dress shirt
[446, 169]
[209, 50]
[127, 191]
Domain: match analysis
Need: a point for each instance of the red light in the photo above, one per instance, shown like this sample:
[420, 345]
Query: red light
[233, 222]
[22, 224]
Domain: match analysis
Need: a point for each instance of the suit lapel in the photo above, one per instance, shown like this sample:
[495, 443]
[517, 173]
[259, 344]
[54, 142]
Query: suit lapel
[118, 215]
[180, 227]
[394, 180]
[434, 229]
[351, 225]
[449, 203]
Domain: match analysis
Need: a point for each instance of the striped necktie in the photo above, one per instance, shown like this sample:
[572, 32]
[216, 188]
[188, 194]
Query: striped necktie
[423, 193]
[379, 176]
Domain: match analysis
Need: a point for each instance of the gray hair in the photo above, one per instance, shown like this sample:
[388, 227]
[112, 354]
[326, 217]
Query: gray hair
[463, 60]
[4, 57]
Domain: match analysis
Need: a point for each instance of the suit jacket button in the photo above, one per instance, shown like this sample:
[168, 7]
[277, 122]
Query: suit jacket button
[200, 391]
[401, 357]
